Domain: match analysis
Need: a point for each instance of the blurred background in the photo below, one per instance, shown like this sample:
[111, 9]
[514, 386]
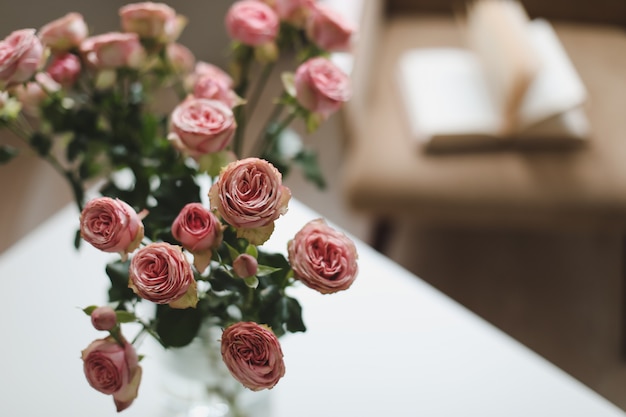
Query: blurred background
[559, 293]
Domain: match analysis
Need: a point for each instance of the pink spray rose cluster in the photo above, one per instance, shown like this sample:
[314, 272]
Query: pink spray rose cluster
[189, 226]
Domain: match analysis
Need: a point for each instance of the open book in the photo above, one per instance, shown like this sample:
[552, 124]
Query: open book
[514, 84]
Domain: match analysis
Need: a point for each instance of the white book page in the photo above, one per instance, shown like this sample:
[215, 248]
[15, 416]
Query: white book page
[445, 94]
[557, 87]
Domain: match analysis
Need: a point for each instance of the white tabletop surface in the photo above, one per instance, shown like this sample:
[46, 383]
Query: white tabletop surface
[390, 346]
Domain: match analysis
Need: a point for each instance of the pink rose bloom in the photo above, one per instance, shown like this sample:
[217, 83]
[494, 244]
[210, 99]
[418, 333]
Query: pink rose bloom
[103, 318]
[294, 11]
[33, 93]
[199, 231]
[253, 355]
[65, 33]
[252, 23]
[328, 29]
[160, 273]
[321, 86]
[249, 194]
[152, 21]
[323, 258]
[204, 69]
[113, 50]
[180, 58]
[113, 369]
[65, 69]
[202, 126]
[197, 228]
[111, 225]
[245, 265]
[20, 57]
[214, 89]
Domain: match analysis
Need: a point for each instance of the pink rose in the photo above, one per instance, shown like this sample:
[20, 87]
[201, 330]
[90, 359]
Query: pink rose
[113, 369]
[245, 265]
[152, 21]
[323, 258]
[253, 355]
[180, 58]
[111, 225]
[252, 23]
[33, 93]
[328, 29]
[113, 50]
[249, 194]
[20, 57]
[199, 231]
[65, 69]
[214, 89]
[202, 126]
[65, 33]
[204, 69]
[321, 86]
[294, 11]
[103, 318]
[160, 273]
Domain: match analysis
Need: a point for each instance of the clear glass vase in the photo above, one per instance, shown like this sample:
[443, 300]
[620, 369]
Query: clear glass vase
[196, 382]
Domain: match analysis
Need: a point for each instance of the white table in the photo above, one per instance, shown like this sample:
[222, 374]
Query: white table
[390, 346]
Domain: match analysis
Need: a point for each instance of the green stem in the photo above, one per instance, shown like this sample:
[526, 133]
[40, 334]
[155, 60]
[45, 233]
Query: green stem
[264, 133]
[258, 89]
[240, 90]
[272, 135]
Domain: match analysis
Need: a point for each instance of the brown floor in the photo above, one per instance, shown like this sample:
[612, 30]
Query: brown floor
[559, 294]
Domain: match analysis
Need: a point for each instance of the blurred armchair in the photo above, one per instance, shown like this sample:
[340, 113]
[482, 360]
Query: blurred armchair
[389, 177]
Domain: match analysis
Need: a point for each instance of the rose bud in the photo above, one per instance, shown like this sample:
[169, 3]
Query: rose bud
[328, 29]
[214, 89]
[321, 86]
[203, 69]
[103, 318]
[252, 23]
[249, 196]
[65, 33]
[202, 126]
[149, 20]
[253, 355]
[33, 93]
[294, 11]
[20, 57]
[245, 266]
[199, 231]
[111, 225]
[113, 369]
[180, 58]
[65, 69]
[113, 50]
[323, 258]
[160, 273]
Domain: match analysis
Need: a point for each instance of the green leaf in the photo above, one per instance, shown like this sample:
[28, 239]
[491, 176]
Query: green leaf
[251, 282]
[175, 327]
[89, 310]
[125, 316]
[41, 143]
[7, 153]
[294, 320]
[252, 251]
[307, 160]
[264, 270]
[77, 239]
[118, 274]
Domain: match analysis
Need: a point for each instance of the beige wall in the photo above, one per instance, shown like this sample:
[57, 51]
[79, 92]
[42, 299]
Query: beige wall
[204, 35]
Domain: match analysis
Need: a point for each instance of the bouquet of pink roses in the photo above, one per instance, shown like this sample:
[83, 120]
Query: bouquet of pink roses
[89, 106]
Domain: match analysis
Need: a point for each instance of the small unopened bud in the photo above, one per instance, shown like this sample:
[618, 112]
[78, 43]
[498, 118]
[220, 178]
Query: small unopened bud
[103, 318]
[266, 53]
[245, 266]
